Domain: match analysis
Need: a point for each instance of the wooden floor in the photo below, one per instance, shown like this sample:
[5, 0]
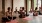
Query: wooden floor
[1, 17]
[35, 19]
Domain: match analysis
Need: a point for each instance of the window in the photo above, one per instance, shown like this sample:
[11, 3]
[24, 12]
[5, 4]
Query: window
[39, 4]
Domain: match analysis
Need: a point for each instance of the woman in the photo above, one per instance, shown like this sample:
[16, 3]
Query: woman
[30, 13]
[7, 16]
[8, 13]
[40, 11]
[22, 12]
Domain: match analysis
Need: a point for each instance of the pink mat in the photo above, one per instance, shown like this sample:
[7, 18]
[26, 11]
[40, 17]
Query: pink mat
[13, 21]
[26, 18]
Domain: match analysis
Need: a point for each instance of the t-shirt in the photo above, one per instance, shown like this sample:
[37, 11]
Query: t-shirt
[30, 14]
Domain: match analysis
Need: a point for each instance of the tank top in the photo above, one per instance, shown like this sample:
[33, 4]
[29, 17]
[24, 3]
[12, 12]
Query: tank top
[8, 13]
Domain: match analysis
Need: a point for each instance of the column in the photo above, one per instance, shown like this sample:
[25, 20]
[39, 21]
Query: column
[25, 6]
[32, 4]
[28, 5]
[12, 5]
[41, 3]
[3, 6]
[0, 5]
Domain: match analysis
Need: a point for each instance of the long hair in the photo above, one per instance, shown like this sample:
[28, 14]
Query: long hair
[36, 8]
[8, 8]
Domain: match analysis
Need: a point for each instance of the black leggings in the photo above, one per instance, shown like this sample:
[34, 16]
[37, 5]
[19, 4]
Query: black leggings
[14, 17]
[9, 17]
[5, 19]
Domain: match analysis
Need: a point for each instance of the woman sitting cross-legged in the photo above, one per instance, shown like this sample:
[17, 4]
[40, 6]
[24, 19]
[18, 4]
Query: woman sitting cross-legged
[7, 16]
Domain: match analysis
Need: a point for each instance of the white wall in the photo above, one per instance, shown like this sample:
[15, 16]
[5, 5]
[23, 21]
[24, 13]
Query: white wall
[8, 3]
[18, 4]
[0, 5]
